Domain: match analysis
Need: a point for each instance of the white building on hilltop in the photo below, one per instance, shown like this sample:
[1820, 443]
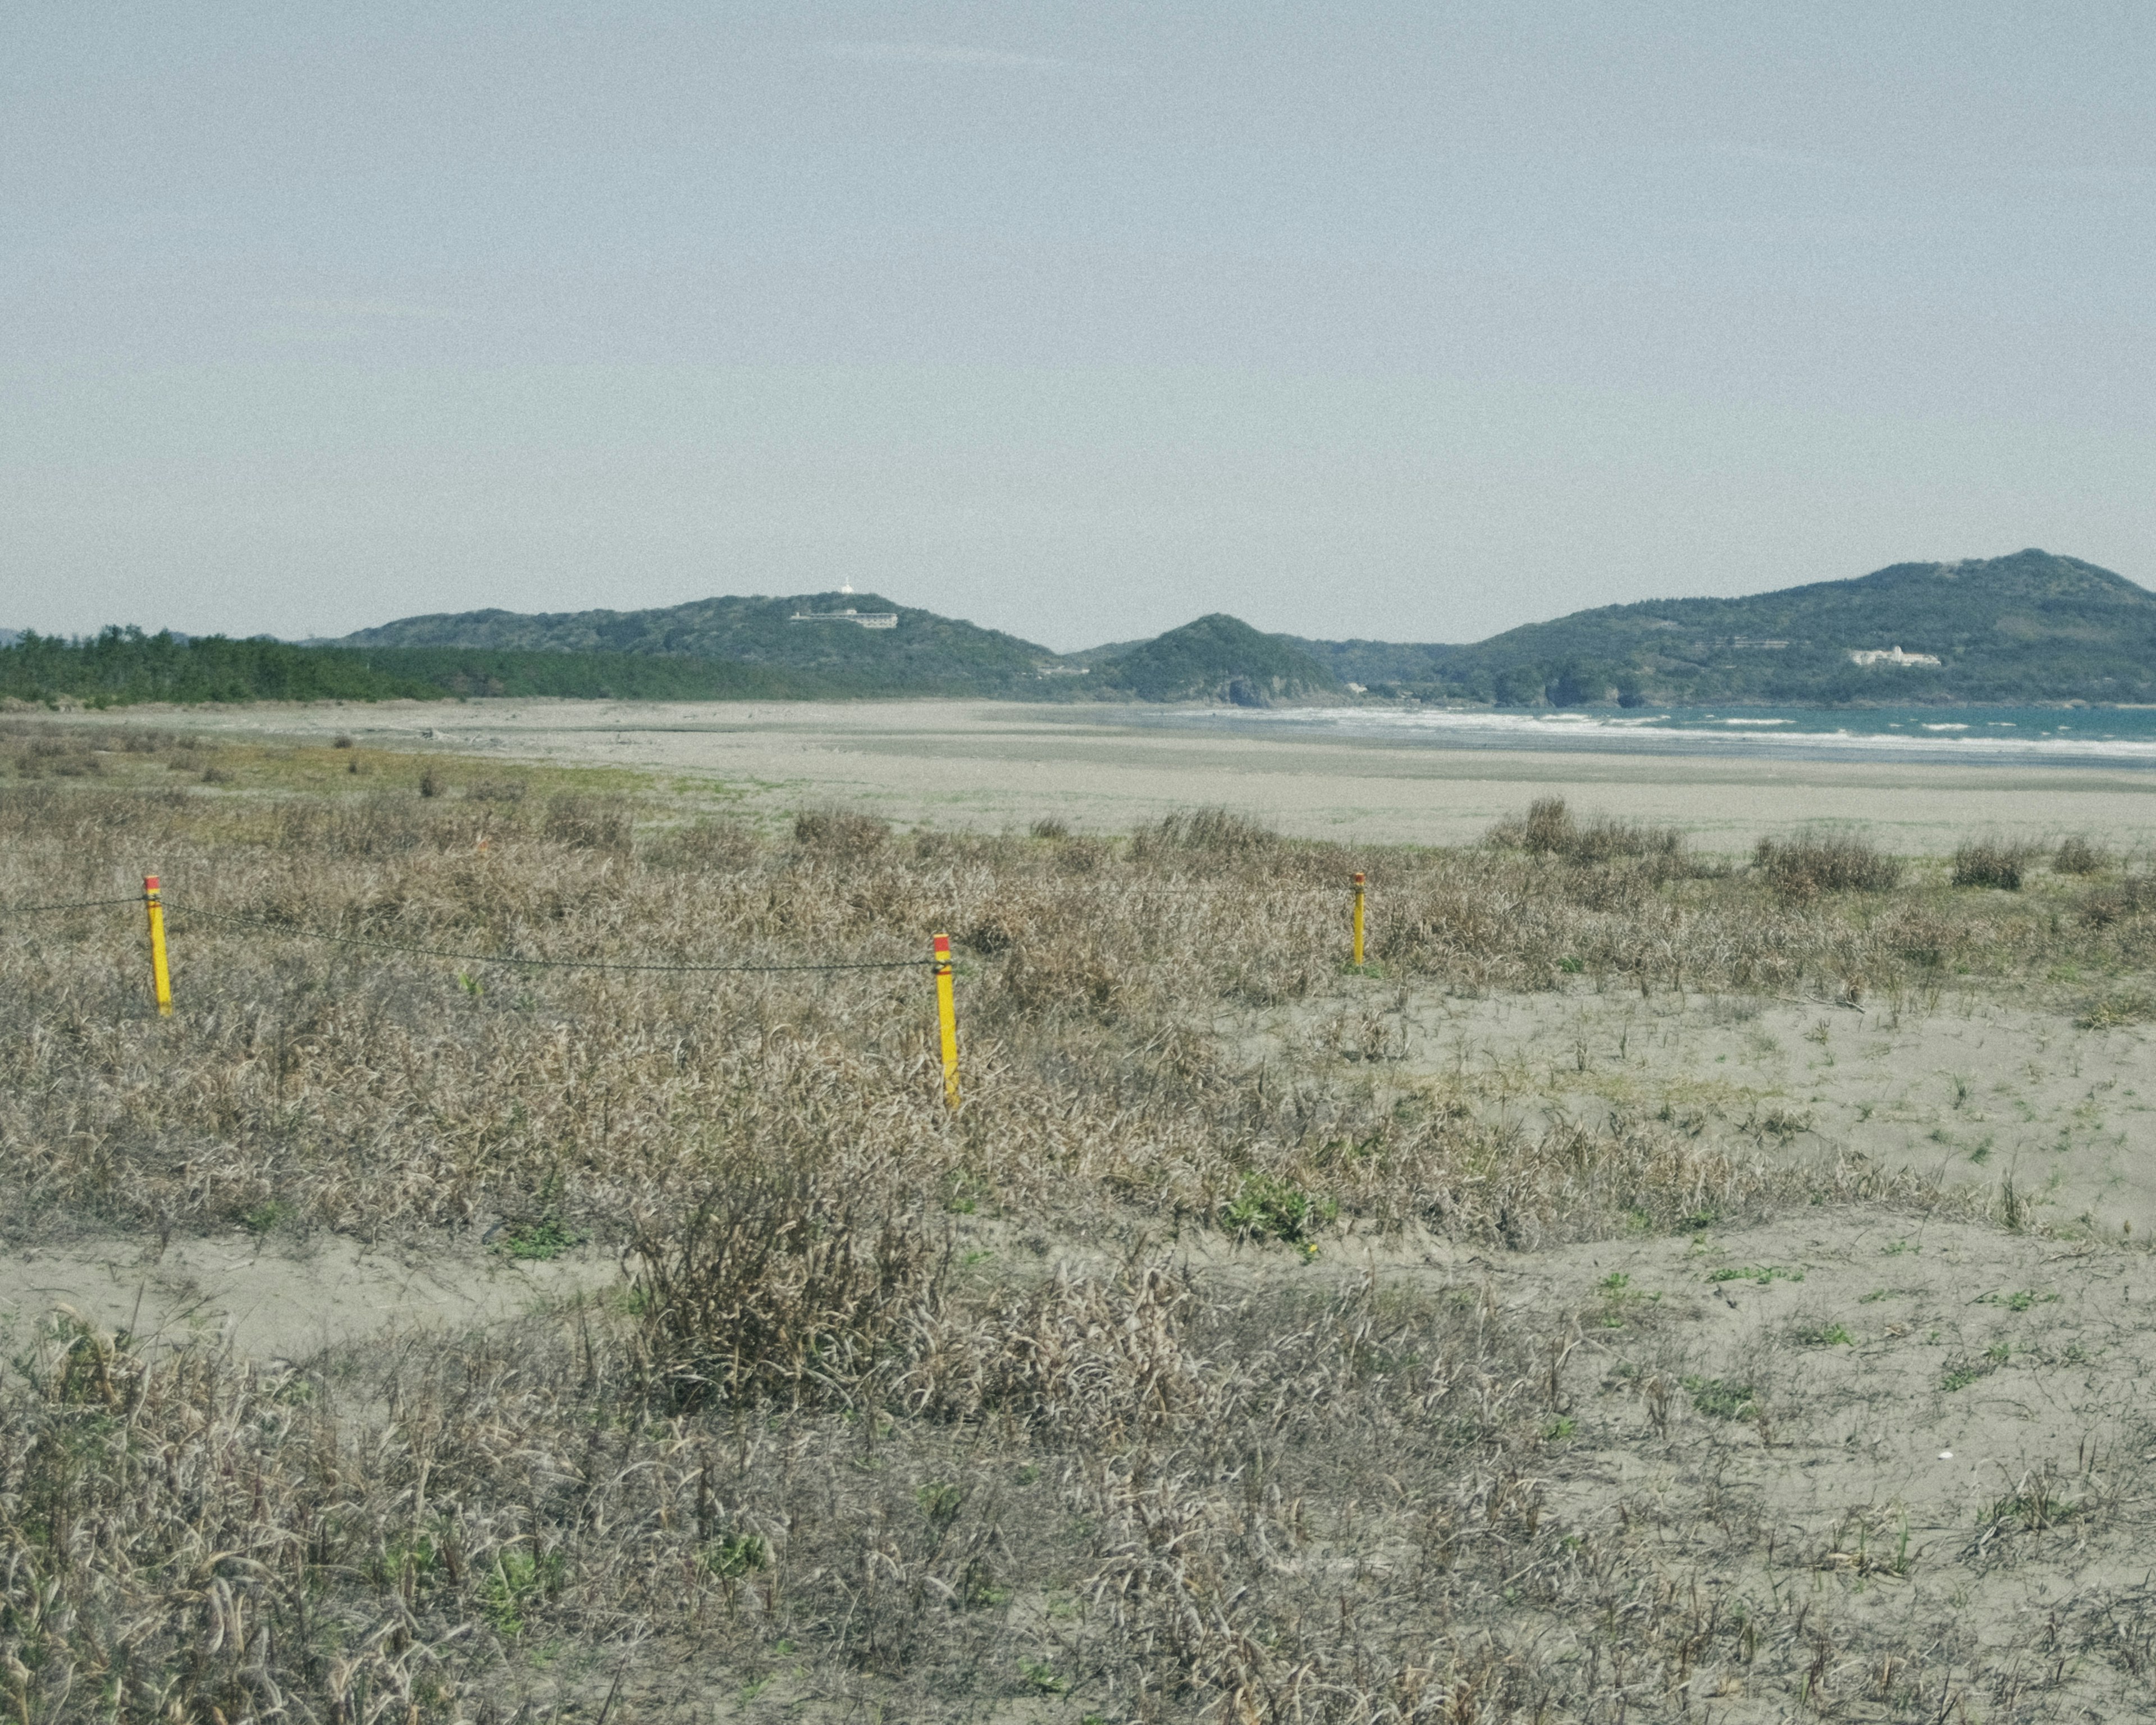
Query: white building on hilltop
[859, 620]
[1889, 655]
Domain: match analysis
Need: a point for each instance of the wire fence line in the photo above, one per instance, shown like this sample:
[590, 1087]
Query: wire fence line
[179, 908]
[293, 932]
[271, 925]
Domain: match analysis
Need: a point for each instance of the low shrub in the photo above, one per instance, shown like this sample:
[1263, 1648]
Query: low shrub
[1991, 862]
[2077, 855]
[1549, 828]
[1219, 831]
[840, 832]
[779, 1284]
[1812, 863]
[588, 822]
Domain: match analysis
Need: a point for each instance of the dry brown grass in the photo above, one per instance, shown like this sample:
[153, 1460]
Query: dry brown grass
[809, 1452]
[1992, 860]
[1808, 864]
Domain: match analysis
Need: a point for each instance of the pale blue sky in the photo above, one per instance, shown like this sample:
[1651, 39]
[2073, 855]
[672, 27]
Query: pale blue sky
[1414, 321]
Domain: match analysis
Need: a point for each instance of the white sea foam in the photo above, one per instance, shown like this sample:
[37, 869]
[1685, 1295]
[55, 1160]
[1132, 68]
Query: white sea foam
[1703, 732]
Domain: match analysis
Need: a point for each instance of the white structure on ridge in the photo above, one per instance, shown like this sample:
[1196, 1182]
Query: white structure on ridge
[1890, 655]
[859, 620]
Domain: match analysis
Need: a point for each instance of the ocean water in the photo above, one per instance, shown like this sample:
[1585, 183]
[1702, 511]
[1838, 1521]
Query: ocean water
[2081, 736]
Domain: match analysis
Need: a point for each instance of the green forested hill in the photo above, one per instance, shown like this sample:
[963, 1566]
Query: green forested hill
[121, 667]
[1217, 658]
[2031, 627]
[2028, 627]
[924, 654]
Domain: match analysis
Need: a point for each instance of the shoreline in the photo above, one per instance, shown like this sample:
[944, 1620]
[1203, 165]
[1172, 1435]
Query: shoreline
[1002, 765]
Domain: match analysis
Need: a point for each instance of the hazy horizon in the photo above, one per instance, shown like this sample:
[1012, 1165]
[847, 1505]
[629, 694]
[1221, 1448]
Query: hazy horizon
[1077, 323]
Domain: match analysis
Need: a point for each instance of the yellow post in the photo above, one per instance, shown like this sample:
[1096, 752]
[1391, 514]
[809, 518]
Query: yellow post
[161, 974]
[1359, 919]
[947, 1015]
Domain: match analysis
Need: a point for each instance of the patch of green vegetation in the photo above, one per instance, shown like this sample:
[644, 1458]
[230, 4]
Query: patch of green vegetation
[1960, 1374]
[734, 1556]
[940, 1500]
[2020, 1300]
[2132, 1006]
[536, 1241]
[1826, 1335]
[1722, 1397]
[519, 1579]
[264, 1218]
[1762, 1273]
[1268, 1206]
[1040, 1675]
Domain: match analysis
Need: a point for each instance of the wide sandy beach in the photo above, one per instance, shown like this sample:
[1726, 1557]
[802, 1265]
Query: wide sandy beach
[991, 765]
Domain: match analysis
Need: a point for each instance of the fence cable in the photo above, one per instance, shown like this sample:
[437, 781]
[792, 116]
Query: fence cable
[353, 940]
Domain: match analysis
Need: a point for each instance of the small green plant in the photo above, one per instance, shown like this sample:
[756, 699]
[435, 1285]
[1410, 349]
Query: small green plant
[1962, 1373]
[1826, 1335]
[1571, 967]
[1720, 1398]
[939, 1501]
[1557, 1430]
[537, 1241]
[735, 1555]
[519, 1579]
[2034, 1504]
[962, 1194]
[1268, 1206]
[1040, 1675]
[1762, 1273]
[264, 1218]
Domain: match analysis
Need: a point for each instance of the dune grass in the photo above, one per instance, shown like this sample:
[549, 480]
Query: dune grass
[809, 1450]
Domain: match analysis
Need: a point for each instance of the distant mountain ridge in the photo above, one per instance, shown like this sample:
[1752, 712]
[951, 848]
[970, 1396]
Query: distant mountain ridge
[2029, 627]
[2032, 626]
[924, 654]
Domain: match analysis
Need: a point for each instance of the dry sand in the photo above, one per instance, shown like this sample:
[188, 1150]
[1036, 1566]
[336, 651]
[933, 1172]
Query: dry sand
[992, 765]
